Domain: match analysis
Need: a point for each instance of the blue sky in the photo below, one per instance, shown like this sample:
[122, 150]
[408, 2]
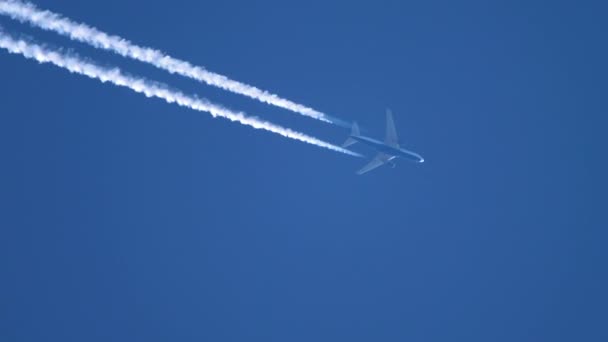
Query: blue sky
[128, 219]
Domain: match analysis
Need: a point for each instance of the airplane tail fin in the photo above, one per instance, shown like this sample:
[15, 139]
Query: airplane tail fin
[391, 138]
[354, 132]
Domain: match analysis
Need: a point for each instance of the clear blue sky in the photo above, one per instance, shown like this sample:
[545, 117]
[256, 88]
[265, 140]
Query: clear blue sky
[127, 219]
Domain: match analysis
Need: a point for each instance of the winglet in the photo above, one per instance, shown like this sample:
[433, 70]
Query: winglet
[354, 132]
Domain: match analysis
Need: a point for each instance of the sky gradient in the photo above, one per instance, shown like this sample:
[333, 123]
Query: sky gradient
[128, 219]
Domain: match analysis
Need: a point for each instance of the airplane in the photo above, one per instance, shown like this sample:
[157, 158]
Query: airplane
[387, 150]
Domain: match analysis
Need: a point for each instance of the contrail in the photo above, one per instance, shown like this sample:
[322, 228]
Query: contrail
[149, 89]
[29, 13]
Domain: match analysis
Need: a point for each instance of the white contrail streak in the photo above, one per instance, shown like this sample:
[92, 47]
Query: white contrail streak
[149, 89]
[29, 13]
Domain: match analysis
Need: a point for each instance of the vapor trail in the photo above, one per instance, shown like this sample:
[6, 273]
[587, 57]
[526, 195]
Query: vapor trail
[29, 13]
[149, 89]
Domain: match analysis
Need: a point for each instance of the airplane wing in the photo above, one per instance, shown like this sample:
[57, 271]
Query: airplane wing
[379, 160]
[391, 134]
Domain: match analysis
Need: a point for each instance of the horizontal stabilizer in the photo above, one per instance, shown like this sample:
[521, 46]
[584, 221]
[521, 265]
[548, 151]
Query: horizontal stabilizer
[354, 132]
[349, 142]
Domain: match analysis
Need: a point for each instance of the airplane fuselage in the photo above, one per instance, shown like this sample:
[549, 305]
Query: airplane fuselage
[389, 150]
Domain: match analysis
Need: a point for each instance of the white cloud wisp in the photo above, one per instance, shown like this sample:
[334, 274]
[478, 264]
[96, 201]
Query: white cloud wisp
[150, 89]
[46, 20]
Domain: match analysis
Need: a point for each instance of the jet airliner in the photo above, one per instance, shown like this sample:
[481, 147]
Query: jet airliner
[387, 150]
